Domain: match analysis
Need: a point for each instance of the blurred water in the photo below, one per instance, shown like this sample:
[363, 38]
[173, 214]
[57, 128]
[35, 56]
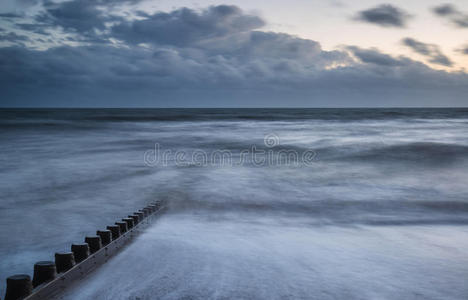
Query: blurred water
[380, 213]
[243, 258]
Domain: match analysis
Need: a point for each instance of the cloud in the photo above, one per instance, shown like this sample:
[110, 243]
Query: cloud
[249, 63]
[452, 14]
[165, 76]
[10, 15]
[445, 10]
[13, 37]
[84, 17]
[185, 26]
[431, 51]
[211, 57]
[91, 20]
[374, 56]
[81, 16]
[385, 15]
[463, 50]
[35, 28]
[28, 2]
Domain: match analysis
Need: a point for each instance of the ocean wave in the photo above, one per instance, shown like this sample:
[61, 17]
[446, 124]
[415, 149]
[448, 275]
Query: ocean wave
[429, 153]
[391, 212]
[270, 114]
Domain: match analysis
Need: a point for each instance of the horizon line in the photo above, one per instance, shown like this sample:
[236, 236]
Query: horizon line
[229, 107]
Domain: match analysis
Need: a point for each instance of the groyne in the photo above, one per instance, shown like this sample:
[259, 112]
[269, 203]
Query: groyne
[51, 278]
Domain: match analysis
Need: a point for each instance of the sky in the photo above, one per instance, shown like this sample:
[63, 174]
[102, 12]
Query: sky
[257, 53]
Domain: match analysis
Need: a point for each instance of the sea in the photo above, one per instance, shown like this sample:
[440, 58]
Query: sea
[261, 203]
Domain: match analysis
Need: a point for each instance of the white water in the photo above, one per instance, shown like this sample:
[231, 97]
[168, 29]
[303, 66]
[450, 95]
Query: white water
[192, 257]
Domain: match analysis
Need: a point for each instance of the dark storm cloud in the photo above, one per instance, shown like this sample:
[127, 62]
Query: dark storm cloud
[80, 16]
[274, 48]
[210, 57]
[385, 15]
[249, 59]
[445, 10]
[186, 26]
[28, 2]
[138, 74]
[431, 51]
[13, 37]
[10, 15]
[374, 56]
[452, 14]
[35, 28]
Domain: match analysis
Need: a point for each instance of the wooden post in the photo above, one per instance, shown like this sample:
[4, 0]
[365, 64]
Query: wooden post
[44, 271]
[80, 251]
[94, 243]
[64, 261]
[18, 287]
[106, 236]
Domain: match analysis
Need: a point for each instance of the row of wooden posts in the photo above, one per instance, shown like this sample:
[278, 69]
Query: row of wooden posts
[21, 286]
